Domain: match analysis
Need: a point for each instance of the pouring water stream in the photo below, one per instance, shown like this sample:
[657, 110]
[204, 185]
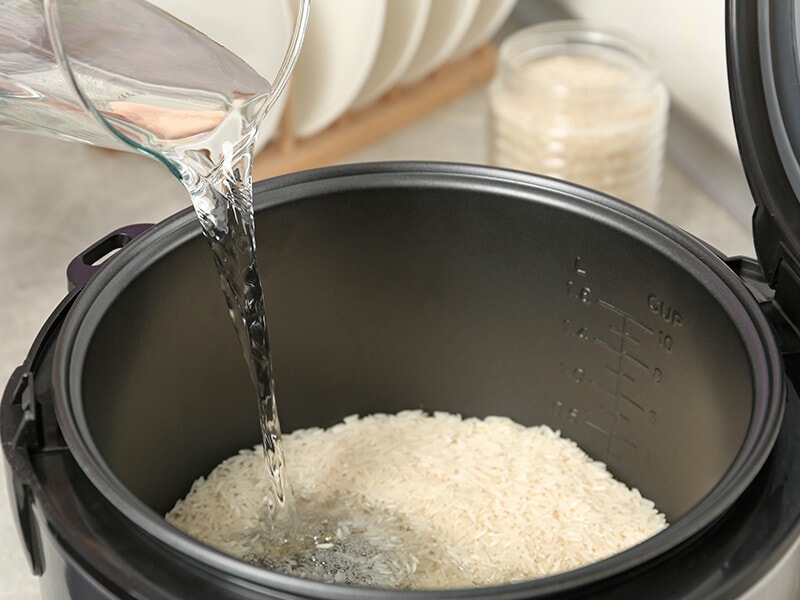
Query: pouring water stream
[102, 72]
[206, 137]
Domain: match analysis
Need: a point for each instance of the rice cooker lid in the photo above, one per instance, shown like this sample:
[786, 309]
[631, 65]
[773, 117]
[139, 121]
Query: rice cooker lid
[763, 39]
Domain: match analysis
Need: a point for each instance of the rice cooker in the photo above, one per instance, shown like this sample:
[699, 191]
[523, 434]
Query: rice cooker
[443, 287]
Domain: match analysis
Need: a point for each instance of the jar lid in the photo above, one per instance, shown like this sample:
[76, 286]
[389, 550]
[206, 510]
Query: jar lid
[763, 39]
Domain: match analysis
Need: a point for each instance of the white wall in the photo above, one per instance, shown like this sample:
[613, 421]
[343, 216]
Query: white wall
[688, 38]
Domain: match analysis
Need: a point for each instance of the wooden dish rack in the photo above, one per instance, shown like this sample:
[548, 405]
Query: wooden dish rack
[354, 130]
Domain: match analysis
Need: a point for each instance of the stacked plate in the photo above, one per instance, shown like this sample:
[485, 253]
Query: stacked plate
[357, 50]
[354, 50]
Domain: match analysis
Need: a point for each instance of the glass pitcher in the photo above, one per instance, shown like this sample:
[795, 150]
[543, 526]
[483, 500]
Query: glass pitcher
[124, 74]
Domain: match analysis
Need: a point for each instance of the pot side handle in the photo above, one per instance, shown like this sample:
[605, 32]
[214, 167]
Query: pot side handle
[21, 425]
[81, 269]
[18, 422]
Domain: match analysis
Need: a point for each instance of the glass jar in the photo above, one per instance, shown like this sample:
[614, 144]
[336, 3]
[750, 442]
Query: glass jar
[581, 103]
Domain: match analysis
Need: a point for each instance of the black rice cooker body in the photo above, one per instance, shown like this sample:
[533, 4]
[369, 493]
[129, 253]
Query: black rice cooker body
[445, 287]
[393, 286]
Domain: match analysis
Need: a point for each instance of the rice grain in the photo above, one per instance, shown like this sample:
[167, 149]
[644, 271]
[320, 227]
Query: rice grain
[428, 502]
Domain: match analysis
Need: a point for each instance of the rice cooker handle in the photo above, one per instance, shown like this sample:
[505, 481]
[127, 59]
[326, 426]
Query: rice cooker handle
[21, 478]
[24, 432]
[81, 269]
[22, 423]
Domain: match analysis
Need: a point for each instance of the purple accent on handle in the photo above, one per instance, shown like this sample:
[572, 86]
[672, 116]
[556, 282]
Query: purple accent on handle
[81, 269]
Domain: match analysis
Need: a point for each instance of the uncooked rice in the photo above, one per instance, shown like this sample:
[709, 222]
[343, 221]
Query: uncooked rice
[429, 501]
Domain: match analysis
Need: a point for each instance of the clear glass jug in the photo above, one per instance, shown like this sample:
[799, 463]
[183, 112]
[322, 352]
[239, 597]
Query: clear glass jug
[124, 74]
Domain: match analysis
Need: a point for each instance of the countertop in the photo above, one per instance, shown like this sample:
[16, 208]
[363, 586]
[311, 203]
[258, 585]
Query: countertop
[58, 197]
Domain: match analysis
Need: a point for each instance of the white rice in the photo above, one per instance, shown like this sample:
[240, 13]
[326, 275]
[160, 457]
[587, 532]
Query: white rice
[429, 502]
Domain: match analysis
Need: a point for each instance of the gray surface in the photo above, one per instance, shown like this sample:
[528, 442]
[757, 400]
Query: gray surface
[58, 198]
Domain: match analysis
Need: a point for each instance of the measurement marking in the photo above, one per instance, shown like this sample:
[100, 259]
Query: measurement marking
[624, 333]
[626, 440]
[637, 361]
[601, 342]
[621, 353]
[596, 427]
[579, 267]
[600, 386]
[625, 314]
[632, 401]
[618, 374]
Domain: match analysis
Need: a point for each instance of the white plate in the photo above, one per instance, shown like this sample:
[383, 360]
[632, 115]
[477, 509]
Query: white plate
[448, 21]
[342, 40]
[402, 33]
[488, 19]
[261, 42]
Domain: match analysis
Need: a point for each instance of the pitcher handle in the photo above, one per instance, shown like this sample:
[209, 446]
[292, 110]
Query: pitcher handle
[284, 73]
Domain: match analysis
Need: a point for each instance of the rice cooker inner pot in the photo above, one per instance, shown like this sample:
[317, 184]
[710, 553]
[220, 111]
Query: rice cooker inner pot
[460, 289]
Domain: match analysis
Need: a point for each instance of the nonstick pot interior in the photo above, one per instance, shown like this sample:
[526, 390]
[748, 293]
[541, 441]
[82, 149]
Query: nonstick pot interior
[445, 288]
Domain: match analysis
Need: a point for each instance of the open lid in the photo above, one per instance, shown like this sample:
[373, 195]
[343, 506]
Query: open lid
[763, 38]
